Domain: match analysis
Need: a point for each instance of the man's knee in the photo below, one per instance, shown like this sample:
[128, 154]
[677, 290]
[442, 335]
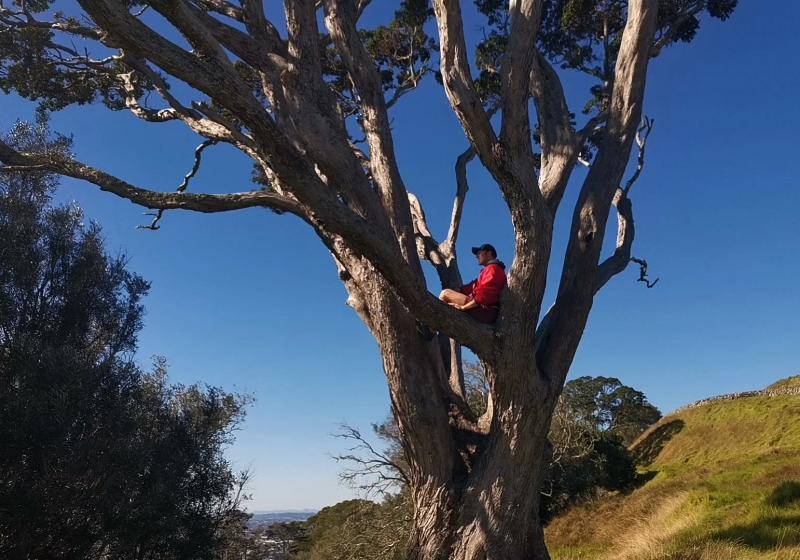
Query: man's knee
[443, 294]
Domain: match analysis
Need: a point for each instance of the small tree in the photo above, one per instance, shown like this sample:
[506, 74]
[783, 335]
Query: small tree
[605, 405]
[358, 530]
[596, 418]
[290, 101]
[99, 459]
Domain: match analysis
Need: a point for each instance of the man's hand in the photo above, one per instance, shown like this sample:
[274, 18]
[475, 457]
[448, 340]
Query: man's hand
[467, 306]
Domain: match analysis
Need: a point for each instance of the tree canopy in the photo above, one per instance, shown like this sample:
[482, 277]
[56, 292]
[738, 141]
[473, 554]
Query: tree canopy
[100, 459]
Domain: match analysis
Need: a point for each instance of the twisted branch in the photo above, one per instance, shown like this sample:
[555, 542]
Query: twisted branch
[643, 273]
[198, 153]
[642, 133]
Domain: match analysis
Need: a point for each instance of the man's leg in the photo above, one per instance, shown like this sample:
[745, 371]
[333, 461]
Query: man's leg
[451, 296]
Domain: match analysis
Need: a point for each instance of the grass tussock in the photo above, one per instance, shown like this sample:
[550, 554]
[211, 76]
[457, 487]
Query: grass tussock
[722, 483]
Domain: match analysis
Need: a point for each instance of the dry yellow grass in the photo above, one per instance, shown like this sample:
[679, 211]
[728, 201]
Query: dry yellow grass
[725, 486]
[650, 537]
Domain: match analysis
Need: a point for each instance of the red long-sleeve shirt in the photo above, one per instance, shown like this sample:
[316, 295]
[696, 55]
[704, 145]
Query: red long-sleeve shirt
[486, 289]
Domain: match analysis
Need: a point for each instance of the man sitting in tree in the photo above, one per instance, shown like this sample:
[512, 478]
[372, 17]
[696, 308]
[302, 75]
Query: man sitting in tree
[481, 297]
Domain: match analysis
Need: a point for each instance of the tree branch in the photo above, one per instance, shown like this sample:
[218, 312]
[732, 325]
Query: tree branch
[669, 35]
[566, 321]
[144, 113]
[642, 133]
[262, 49]
[201, 118]
[427, 247]
[643, 273]
[223, 8]
[198, 154]
[560, 144]
[378, 469]
[515, 79]
[617, 262]
[340, 18]
[157, 200]
[462, 187]
[260, 28]
[458, 81]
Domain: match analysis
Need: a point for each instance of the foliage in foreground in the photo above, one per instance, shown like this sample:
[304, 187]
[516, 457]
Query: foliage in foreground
[358, 530]
[99, 458]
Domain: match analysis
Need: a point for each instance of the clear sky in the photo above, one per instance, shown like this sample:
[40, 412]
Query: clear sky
[250, 300]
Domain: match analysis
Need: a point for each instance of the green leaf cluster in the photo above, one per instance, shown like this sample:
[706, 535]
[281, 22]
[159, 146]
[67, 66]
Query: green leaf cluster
[100, 459]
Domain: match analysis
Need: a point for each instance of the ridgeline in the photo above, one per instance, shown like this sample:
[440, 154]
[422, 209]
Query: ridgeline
[720, 480]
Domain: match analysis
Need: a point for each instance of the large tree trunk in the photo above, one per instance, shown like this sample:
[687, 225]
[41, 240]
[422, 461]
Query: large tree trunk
[490, 509]
[475, 492]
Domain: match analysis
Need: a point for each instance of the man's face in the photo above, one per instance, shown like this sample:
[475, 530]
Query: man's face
[484, 257]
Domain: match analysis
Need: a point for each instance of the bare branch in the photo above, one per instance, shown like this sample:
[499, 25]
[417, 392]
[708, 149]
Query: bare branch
[515, 78]
[157, 200]
[458, 79]
[617, 262]
[144, 113]
[203, 42]
[462, 187]
[262, 49]
[427, 246]
[642, 133]
[579, 279]
[340, 19]
[201, 118]
[560, 144]
[140, 12]
[372, 471]
[643, 273]
[198, 153]
[223, 8]
[448, 246]
[260, 28]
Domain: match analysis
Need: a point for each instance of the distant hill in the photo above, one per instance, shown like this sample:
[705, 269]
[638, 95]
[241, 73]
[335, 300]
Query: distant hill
[722, 483]
[272, 517]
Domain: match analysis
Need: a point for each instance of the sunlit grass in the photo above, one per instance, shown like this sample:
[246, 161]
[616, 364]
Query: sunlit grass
[723, 484]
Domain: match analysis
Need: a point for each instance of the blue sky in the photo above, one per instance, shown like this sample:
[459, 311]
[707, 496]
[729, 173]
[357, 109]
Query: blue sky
[250, 300]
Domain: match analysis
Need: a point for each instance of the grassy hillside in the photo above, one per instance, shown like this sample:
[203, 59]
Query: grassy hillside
[722, 483]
